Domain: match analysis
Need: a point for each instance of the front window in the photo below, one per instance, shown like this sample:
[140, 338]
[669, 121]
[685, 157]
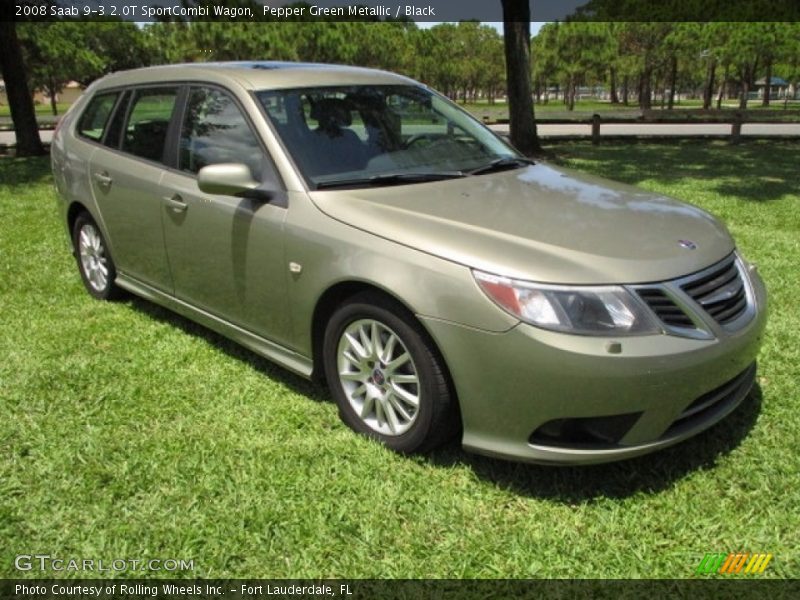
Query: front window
[366, 135]
[215, 131]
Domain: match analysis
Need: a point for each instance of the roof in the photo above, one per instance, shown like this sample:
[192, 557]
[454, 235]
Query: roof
[772, 81]
[257, 74]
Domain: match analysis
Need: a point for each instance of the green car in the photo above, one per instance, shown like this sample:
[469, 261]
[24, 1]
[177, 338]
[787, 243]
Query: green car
[355, 226]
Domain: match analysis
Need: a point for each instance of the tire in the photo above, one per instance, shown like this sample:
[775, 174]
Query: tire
[396, 391]
[95, 264]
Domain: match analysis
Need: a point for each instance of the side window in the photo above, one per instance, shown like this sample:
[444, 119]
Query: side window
[146, 129]
[215, 131]
[114, 130]
[94, 119]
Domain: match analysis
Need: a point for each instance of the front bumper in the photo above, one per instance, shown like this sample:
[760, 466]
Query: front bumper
[663, 388]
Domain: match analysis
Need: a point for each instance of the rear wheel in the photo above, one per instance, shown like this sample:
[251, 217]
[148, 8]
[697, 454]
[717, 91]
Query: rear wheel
[387, 377]
[94, 260]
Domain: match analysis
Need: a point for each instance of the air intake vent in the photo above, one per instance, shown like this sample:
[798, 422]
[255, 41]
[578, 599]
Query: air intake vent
[666, 310]
[721, 292]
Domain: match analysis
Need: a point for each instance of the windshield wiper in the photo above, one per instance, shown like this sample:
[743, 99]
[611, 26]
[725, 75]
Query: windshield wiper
[502, 164]
[391, 179]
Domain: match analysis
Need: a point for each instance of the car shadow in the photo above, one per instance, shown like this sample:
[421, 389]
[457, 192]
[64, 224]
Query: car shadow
[571, 485]
[646, 474]
[310, 389]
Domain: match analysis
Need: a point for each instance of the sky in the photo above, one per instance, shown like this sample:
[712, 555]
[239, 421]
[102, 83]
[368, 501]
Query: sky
[535, 26]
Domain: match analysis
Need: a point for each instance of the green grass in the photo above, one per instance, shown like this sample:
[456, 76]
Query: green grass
[42, 109]
[129, 432]
[44, 115]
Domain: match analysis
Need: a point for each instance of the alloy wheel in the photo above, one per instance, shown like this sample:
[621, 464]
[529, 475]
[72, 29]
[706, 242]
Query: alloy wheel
[379, 377]
[94, 261]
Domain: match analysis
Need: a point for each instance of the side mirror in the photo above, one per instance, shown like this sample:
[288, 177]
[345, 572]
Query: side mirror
[232, 179]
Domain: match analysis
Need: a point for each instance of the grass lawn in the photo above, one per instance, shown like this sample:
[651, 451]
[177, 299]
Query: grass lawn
[44, 110]
[44, 116]
[130, 432]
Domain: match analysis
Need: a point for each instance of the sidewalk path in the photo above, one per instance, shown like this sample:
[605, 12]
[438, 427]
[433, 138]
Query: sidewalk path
[8, 138]
[662, 129]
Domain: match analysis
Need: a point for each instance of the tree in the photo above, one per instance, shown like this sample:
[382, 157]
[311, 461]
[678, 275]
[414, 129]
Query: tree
[776, 41]
[19, 98]
[789, 66]
[493, 71]
[55, 54]
[710, 40]
[643, 41]
[583, 49]
[517, 32]
[119, 45]
[546, 66]
[681, 51]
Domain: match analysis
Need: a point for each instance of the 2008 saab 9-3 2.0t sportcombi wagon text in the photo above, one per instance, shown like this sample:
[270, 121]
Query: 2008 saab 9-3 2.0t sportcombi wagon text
[354, 225]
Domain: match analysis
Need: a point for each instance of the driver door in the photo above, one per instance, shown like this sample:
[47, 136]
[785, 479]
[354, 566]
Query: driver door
[225, 253]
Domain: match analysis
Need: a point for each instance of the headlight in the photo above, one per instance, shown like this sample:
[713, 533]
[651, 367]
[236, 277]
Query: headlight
[583, 310]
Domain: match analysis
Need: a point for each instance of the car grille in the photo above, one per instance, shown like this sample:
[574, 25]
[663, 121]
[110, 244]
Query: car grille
[665, 309]
[721, 293]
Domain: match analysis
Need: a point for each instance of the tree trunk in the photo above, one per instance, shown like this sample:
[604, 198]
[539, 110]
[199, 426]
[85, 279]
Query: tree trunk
[53, 97]
[639, 90]
[517, 40]
[613, 85]
[708, 90]
[645, 92]
[673, 80]
[722, 85]
[745, 89]
[20, 100]
[625, 90]
[571, 93]
[768, 84]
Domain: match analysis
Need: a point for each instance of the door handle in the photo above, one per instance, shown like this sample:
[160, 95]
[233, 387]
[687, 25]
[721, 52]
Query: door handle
[103, 179]
[176, 203]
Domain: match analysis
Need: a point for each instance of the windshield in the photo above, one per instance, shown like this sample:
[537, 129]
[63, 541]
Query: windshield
[379, 134]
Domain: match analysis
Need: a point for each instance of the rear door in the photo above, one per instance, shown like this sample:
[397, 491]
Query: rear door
[226, 253]
[126, 180]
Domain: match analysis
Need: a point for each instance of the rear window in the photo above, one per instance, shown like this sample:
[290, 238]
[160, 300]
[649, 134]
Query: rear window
[146, 130]
[93, 121]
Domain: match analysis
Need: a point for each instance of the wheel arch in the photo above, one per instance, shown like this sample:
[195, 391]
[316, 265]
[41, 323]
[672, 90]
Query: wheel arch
[74, 210]
[341, 292]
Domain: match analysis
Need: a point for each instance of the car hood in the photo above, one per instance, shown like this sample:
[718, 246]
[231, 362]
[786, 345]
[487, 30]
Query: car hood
[541, 224]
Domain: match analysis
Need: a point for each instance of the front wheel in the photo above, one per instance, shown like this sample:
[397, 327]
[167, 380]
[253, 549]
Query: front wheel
[387, 377]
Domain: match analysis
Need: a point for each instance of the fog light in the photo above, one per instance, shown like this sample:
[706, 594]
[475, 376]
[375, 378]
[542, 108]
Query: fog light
[591, 432]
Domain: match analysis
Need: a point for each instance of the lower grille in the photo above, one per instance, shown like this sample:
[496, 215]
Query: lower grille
[585, 432]
[716, 399]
